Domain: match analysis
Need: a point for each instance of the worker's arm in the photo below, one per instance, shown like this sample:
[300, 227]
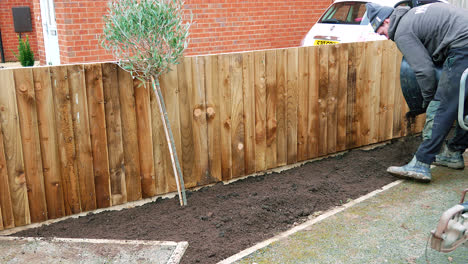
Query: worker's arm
[421, 63]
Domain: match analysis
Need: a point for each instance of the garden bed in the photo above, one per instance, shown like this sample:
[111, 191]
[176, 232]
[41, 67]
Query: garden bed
[222, 220]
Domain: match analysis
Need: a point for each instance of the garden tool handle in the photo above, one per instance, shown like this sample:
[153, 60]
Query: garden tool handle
[461, 101]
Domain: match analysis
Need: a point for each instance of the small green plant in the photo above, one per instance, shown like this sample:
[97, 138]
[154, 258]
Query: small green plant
[25, 54]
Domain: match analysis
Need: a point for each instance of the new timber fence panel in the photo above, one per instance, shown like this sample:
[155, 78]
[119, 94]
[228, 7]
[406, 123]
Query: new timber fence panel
[291, 106]
[197, 90]
[212, 117]
[110, 84]
[313, 125]
[322, 100]
[260, 111]
[6, 206]
[271, 102]
[237, 115]
[302, 104]
[374, 63]
[26, 100]
[145, 137]
[333, 82]
[49, 144]
[81, 130]
[281, 106]
[170, 91]
[342, 97]
[95, 133]
[184, 72]
[130, 136]
[248, 93]
[13, 149]
[225, 115]
[66, 139]
[97, 121]
[387, 91]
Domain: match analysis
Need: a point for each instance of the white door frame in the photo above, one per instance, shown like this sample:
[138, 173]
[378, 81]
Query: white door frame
[49, 29]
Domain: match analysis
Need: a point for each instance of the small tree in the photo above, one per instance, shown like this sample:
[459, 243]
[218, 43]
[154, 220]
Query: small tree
[25, 54]
[147, 37]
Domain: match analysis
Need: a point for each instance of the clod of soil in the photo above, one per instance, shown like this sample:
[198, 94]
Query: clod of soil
[222, 220]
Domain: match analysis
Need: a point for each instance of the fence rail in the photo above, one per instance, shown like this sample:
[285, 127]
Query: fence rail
[79, 137]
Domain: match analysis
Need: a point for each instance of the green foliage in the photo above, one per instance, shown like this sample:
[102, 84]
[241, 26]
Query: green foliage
[147, 36]
[25, 54]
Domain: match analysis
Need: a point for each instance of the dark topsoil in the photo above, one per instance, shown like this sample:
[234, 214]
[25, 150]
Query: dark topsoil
[222, 220]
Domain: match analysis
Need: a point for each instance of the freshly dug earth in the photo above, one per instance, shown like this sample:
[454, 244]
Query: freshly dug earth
[222, 220]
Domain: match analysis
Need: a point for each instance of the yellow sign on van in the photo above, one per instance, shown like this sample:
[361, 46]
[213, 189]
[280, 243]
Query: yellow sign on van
[324, 42]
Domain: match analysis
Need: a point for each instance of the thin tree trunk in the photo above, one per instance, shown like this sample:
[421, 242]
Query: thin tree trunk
[170, 142]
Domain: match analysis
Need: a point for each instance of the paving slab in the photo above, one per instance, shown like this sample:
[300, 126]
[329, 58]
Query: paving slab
[15, 250]
[391, 227]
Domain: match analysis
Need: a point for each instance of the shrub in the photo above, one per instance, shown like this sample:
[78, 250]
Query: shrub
[146, 36]
[25, 54]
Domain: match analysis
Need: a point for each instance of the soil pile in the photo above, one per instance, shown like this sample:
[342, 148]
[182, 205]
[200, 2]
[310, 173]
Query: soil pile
[224, 219]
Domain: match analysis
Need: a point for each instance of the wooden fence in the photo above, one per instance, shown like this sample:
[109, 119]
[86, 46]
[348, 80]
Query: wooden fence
[79, 137]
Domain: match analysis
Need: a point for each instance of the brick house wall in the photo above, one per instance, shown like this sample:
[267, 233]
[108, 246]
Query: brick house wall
[219, 26]
[9, 36]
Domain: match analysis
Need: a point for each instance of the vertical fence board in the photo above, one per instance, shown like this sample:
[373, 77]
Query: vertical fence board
[200, 129]
[342, 97]
[81, 123]
[162, 162]
[292, 101]
[248, 90]
[6, 206]
[97, 121]
[213, 118]
[170, 90]
[281, 106]
[271, 104]
[314, 114]
[351, 113]
[387, 91]
[225, 114]
[363, 95]
[303, 104]
[130, 136]
[323, 96]
[237, 114]
[185, 83]
[333, 82]
[260, 111]
[399, 100]
[145, 138]
[374, 59]
[110, 84]
[66, 139]
[1, 218]
[13, 149]
[26, 100]
[49, 144]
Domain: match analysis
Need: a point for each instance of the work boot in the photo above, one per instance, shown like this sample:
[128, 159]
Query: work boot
[451, 159]
[415, 170]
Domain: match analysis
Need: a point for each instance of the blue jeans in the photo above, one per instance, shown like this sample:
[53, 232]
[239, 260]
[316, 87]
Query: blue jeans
[446, 98]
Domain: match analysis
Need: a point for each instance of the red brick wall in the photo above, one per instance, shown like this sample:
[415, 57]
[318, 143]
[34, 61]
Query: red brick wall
[238, 25]
[9, 36]
[219, 26]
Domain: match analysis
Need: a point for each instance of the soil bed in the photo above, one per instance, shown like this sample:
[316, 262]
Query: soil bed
[224, 219]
